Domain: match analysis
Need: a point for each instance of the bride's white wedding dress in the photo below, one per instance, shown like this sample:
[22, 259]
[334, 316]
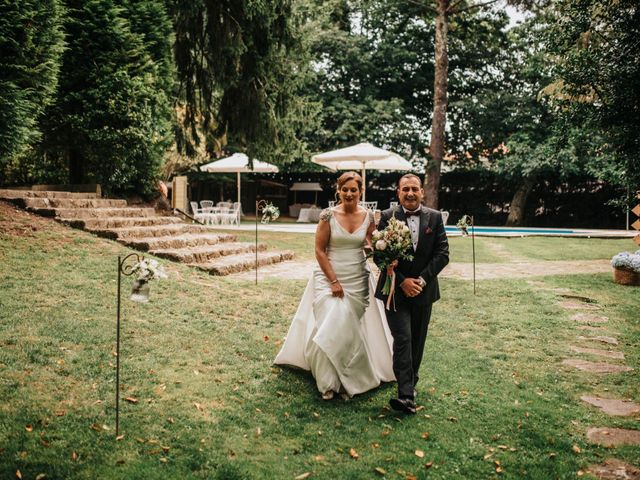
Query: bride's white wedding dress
[345, 342]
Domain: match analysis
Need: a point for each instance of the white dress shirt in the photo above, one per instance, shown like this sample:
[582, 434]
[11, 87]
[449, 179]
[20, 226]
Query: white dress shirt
[413, 222]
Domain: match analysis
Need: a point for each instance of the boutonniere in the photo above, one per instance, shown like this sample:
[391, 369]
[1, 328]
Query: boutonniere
[428, 231]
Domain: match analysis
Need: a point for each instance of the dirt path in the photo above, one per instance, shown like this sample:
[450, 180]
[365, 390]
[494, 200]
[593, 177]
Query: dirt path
[464, 271]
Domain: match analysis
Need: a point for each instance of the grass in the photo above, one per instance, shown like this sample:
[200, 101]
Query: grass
[210, 404]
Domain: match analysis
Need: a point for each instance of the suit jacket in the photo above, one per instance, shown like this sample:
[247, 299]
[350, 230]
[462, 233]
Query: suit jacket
[430, 257]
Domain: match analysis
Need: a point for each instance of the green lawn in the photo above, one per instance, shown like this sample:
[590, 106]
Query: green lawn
[210, 404]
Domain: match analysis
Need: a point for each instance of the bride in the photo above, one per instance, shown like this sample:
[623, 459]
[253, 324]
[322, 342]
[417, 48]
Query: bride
[336, 332]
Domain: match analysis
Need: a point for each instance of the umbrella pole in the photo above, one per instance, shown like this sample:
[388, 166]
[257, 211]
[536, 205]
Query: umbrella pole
[364, 183]
[315, 202]
[238, 180]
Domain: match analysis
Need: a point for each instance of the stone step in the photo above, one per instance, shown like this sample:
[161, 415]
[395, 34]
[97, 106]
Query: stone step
[47, 203]
[179, 241]
[119, 222]
[12, 194]
[239, 263]
[125, 234]
[208, 253]
[81, 213]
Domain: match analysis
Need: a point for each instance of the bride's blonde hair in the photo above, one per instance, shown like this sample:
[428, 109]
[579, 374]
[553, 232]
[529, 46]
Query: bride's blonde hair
[344, 178]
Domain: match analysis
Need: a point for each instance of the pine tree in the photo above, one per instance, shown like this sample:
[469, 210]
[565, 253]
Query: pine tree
[111, 120]
[31, 43]
[238, 73]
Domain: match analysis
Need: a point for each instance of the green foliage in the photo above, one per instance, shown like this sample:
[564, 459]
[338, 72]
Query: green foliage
[111, 120]
[374, 75]
[596, 44]
[237, 61]
[31, 42]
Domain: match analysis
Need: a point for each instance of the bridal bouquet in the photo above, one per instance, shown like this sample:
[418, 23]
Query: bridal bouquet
[390, 245]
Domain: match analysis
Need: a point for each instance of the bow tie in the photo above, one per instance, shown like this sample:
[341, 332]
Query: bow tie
[412, 214]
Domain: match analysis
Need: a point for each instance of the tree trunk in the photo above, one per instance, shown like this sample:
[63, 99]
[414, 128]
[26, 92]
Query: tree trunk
[440, 85]
[519, 202]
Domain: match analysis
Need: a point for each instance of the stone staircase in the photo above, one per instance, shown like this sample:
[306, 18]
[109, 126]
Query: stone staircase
[143, 229]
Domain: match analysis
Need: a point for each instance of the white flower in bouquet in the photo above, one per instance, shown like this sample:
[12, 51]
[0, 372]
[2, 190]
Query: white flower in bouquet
[381, 245]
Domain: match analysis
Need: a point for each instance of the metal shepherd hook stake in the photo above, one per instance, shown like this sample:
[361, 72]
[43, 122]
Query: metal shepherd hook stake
[127, 270]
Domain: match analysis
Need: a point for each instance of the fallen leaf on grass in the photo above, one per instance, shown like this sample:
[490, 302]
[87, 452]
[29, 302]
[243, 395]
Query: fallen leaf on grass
[258, 432]
[302, 476]
[165, 449]
[198, 406]
[425, 435]
[452, 419]
[170, 420]
[18, 475]
[429, 464]
[316, 415]
[266, 338]
[120, 462]
[164, 459]
[375, 445]
[576, 449]
[381, 471]
[74, 456]
[131, 399]
[579, 473]
[319, 458]
[353, 453]
[60, 413]
[385, 432]
[96, 426]
[419, 453]
[503, 447]
[119, 437]
[41, 476]
[410, 476]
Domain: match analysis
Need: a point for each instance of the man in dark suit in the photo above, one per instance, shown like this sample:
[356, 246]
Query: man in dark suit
[416, 286]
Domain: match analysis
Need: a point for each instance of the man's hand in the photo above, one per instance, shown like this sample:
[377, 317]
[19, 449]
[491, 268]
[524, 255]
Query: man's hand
[411, 287]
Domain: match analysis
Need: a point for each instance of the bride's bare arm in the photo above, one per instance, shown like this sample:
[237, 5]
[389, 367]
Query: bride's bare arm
[323, 234]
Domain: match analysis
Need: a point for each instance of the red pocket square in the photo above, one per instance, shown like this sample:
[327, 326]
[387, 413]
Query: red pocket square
[428, 231]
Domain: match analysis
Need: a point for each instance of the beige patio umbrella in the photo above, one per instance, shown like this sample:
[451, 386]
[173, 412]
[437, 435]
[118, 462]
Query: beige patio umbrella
[363, 157]
[238, 163]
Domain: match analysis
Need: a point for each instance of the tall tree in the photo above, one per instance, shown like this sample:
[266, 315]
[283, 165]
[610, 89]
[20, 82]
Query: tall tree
[111, 121]
[238, 70]
[375, 67]
[31, 42]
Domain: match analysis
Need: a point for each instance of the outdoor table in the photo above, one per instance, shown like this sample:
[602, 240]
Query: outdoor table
[309, 215]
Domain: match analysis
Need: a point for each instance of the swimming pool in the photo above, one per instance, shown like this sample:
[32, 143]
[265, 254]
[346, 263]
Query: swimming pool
[453, 231]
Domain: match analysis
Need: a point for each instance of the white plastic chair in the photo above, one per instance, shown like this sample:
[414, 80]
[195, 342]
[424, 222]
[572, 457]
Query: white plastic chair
[369, 205]
[332, 203]
[393, 204]
[232, 216]
[445, 216]
[198, 213]
[206, 205]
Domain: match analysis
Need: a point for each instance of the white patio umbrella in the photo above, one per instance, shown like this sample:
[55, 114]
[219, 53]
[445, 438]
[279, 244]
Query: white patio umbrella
[238, 163]
[305, 187]
[362, 156]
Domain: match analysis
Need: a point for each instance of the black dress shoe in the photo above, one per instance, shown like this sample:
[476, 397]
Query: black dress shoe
[405, 405]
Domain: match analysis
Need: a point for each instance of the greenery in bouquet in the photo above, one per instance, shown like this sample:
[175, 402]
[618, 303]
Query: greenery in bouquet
[270, 213]
[391, 244]
[627, 261]
[148, 269]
